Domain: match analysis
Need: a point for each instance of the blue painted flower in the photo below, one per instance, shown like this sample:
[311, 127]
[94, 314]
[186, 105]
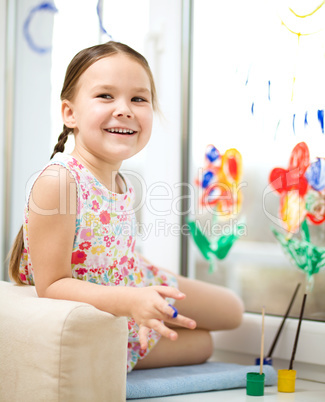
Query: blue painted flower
[315, 174]
[211, 153]
[207, 177]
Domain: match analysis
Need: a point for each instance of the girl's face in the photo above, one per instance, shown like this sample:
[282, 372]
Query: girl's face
[111, 112]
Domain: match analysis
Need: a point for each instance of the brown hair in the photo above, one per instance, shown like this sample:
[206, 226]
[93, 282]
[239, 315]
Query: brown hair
[78, 65]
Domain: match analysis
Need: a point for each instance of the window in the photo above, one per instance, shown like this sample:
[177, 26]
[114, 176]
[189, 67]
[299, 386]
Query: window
[258, 87]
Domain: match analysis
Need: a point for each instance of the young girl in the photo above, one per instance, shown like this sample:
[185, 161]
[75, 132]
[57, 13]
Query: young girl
[79, 226]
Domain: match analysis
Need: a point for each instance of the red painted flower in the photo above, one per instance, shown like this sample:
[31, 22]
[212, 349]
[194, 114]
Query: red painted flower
[78, 257]
[292, 186]
[293, 178]
[219, 182]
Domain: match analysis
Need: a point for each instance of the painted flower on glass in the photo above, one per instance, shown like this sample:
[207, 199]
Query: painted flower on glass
[292, 186]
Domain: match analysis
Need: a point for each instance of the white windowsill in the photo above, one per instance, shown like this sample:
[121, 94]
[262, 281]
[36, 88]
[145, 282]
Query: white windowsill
[242, 345]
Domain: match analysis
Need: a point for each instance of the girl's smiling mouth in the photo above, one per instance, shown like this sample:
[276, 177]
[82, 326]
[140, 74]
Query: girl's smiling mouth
[119, 130]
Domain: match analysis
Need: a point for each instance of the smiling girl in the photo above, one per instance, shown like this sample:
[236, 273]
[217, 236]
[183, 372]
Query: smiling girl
[74, 235]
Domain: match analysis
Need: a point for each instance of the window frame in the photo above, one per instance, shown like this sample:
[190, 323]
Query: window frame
[242, 345]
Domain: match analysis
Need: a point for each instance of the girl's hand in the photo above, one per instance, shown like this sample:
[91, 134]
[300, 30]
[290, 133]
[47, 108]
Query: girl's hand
[149, 309]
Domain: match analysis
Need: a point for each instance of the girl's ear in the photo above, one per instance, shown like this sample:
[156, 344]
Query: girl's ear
[68, 114]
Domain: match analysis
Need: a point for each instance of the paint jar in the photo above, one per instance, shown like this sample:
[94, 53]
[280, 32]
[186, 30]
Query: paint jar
[255, 384]
[266, 361]
[286, 380]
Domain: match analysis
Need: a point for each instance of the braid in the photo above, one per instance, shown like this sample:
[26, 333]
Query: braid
[15, 257]
[59, 147]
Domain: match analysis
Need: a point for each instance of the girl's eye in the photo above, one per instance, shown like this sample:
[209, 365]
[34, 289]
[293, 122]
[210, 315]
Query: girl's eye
[138, 99]
[105, 96]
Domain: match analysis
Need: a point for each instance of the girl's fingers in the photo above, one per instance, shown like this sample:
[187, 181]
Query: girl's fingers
[159, 327]
[168, 291]
[160, 311]
[174, 318]
[182, 321]
[169, 310]
[143, 337]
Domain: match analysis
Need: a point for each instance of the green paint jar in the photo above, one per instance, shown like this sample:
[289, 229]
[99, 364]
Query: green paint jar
[255, 384]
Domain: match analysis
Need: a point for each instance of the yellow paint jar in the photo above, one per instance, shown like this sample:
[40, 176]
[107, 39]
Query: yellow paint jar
[286, 380]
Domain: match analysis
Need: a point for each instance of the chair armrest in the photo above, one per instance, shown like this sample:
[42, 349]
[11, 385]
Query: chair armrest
[58, 350]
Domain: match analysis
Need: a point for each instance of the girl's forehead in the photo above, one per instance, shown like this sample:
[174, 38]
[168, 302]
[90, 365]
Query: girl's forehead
[117, 66]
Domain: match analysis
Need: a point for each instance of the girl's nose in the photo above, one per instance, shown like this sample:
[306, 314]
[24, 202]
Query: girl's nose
[128, 115]
[123, 110]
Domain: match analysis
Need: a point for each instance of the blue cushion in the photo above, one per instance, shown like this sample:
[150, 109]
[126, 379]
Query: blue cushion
[210, 376]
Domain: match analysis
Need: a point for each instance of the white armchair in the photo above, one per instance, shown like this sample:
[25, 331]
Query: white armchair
[57, 350]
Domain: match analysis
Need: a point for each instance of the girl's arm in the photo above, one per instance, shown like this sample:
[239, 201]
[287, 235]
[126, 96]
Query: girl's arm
[51, 230]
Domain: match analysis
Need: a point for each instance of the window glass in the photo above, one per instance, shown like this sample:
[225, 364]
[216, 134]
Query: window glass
[258, 86]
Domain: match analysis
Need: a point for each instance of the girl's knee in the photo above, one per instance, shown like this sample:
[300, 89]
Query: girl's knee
[240, 309]
[228, 313]
[205, 347]
[236, 311]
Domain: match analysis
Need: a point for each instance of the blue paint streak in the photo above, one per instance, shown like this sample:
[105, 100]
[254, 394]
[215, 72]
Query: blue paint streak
[320, 116]
[269, 88]
[99, 14]
[248, 73]
[306, 121]
[41, 7]
[293, 123]
[252, 108]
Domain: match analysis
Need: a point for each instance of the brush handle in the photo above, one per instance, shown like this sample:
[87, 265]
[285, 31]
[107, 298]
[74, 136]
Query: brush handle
[298, 332]
[262, 343]
[283, 321]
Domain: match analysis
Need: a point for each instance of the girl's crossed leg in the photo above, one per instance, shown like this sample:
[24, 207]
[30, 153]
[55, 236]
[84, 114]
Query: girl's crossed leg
[213, 308]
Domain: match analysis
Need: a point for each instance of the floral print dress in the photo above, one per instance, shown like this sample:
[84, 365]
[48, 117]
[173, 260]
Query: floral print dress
[104, 244]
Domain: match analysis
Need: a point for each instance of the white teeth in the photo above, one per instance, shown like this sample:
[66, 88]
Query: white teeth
[120, 130]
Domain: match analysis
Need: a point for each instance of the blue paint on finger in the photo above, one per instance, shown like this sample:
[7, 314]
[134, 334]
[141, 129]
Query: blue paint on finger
[175, 314]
